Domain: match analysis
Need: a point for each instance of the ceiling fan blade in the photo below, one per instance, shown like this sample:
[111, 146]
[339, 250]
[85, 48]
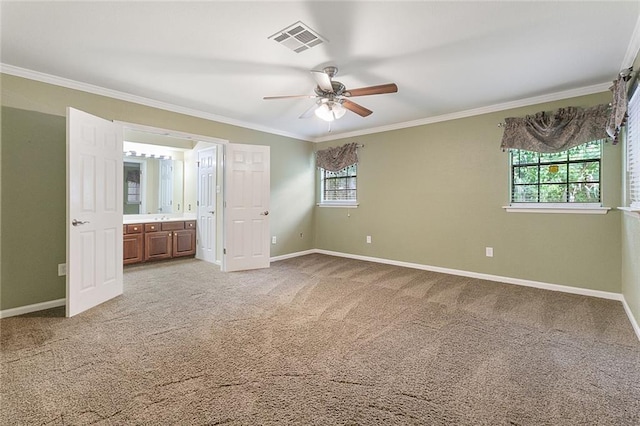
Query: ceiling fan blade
[373, 90]
[290, 97]
[309, 113]
[358, 109]
[323, 80]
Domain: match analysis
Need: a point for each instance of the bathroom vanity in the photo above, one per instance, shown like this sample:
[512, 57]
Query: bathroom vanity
[158, 239]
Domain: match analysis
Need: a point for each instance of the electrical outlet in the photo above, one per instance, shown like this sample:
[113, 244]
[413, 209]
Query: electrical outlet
[62, 269]
[273, 239]
[368, 239]
[488, 251]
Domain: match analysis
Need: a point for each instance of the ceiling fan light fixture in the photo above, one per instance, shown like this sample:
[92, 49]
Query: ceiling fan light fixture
[330, 110]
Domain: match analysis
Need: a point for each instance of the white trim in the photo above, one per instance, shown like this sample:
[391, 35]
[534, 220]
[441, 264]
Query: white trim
[629, 209]
[97, 90]
[555, 208]
[497, 278]
[171, 133]
[634, 323]
[115, 94]
[345, 205]
[291, 255]
[21, 310]
[633, 47]
[558, 96]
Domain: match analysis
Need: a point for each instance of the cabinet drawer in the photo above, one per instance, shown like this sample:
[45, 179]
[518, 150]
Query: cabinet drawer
[134, 229]
[190, 224]
[151, 227]
[172, 226]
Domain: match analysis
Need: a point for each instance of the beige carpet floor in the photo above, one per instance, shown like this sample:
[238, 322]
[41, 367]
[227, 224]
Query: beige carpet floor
[320, 340]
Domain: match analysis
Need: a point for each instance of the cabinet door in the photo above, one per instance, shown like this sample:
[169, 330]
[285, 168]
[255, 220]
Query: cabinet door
[132, 249]
[184, 242]
[157, 245]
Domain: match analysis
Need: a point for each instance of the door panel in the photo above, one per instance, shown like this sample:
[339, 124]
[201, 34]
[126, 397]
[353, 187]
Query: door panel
[207, 201]
[247, 192]
[94, 211]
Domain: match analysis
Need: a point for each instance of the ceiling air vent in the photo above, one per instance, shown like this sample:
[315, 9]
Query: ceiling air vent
[298, 37]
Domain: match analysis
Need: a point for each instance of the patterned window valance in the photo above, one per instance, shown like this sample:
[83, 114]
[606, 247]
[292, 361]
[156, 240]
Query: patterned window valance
[618, 106]
[557, 131]
[337, 158]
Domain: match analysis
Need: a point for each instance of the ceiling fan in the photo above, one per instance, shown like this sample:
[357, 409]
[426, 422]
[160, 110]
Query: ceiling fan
[333, 96]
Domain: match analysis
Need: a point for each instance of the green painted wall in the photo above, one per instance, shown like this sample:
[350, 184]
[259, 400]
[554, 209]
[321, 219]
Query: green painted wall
[33, 207]
[33, 180]
[433, 195]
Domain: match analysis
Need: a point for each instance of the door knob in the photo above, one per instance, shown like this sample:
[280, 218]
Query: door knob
[212, 212]
[265, 213]
[76, 222]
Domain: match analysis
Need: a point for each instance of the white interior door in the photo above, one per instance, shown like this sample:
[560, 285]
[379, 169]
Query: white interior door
[246, 215]
[207, 200]
[94, 211]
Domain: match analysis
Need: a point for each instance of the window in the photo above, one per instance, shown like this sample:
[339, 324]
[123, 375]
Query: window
[571, 176]
[339, 187]
[633, 151]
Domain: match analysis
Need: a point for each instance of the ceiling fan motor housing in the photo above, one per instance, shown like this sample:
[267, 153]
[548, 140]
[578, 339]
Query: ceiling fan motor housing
[338, 90]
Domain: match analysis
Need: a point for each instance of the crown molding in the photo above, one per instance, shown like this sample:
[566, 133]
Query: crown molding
[633, 47]
[588, 90]
[98, 90]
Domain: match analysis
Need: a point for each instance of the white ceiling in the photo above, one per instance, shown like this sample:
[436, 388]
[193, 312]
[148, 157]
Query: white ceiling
[215, 57]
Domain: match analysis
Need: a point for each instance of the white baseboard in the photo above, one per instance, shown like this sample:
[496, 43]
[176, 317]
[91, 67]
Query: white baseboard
[632, 319]
[32, 308]
[291, 255]
[497, 278]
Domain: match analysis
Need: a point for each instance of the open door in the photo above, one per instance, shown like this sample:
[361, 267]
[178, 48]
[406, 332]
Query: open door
[94, 211]
[246, 215]
[207, 200]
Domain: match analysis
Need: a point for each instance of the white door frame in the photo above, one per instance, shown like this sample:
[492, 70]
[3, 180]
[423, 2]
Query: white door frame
[220, 143]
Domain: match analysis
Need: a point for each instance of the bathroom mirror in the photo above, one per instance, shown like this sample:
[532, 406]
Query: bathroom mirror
[153, 167]
[153, 185]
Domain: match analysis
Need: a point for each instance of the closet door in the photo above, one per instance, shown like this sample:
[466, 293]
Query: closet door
[246, 215]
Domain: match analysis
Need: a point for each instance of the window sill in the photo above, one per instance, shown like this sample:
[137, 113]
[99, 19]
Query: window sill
[555, 208]
[343, 205]
[631, 211]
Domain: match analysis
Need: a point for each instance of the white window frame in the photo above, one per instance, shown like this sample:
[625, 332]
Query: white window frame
[632, 154]
[562, 207]
[337, 203]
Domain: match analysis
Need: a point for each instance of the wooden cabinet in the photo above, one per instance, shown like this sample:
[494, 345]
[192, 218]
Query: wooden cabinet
[157, 245]
[184, 242]
[160, 240]
[132, 247]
